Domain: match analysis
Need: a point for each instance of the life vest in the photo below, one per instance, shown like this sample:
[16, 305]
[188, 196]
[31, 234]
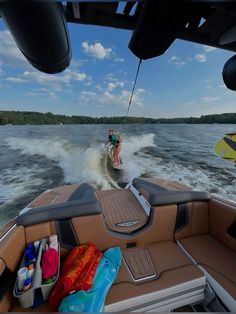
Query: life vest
[114, 138]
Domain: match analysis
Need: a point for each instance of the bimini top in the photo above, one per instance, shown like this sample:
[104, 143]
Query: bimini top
[155, 25]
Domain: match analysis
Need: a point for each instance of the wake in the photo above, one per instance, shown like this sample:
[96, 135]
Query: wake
[89, 164]
[85, 164]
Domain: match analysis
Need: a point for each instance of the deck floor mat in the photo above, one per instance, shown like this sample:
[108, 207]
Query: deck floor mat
[121, 210]
[139, 264]
[44, 199]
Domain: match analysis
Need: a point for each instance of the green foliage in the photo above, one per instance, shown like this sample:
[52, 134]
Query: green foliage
[26, 117]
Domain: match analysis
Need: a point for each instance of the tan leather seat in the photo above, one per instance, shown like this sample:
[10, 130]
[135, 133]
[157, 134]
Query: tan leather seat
[218, 260]
[216, 257]
[177, 277]
[179, 283]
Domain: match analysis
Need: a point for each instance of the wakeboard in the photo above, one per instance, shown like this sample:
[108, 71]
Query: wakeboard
[226, 147]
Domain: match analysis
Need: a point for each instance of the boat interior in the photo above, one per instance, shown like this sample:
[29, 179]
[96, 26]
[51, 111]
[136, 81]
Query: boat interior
[178, 245]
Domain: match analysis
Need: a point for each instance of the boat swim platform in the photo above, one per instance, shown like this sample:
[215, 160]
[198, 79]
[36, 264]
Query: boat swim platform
[121, 210]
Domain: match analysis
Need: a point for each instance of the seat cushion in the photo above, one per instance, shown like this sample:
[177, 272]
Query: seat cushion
[176, 273]
[179, 281]
[218, 260]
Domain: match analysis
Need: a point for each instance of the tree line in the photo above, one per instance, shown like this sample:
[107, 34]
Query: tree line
[28, 117]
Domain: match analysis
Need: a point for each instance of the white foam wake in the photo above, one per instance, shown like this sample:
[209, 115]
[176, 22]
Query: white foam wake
[87, 164]
[81, 164]
[134, 164]
[138, 162]
[78, 164]
[18, 182]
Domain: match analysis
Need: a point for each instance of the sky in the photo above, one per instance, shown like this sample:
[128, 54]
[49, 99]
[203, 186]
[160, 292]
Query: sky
[185, 81]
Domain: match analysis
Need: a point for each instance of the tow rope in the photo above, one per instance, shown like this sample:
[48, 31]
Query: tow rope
[132, 93]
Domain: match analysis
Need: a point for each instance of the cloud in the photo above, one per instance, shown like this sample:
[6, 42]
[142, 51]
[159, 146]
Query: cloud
[10, 54]
[42, 93]
[99, 87]
[53, 95]
[31, 94]
[88, 83]
[208, 48]
[112, 85]
[108, 98]
[209, 99]
[50, 85]
[115, 93]
[110, 78]
[16, 79]
[200, 57]
[178, 61]
[141, 90]
[88, 96]
[124, 97]
[80, 76]
[209, 84]
[119, 60]
[96, 50]
[56, 81]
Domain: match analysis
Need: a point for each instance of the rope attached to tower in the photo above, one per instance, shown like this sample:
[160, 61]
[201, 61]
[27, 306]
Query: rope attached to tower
[132, 93]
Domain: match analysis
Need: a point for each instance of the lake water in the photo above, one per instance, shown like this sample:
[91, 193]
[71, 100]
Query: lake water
[36, 158]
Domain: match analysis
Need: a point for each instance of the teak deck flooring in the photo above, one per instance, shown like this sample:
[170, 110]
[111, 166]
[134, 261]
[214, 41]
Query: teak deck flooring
[121, 210]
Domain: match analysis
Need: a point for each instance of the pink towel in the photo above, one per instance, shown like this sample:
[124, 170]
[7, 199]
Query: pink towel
[49, 263]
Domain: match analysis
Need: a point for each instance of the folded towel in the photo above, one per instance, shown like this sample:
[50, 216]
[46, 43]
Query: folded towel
[77, 273]
[49, 263]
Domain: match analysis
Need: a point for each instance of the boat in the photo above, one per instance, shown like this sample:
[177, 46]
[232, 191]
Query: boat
[178, 245]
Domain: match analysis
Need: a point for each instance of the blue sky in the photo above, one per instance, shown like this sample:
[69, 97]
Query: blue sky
[185, 81]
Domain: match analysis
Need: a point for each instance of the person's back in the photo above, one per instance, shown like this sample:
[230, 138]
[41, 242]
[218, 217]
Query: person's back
[120, 138]
[114, 138]
[110, 133]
